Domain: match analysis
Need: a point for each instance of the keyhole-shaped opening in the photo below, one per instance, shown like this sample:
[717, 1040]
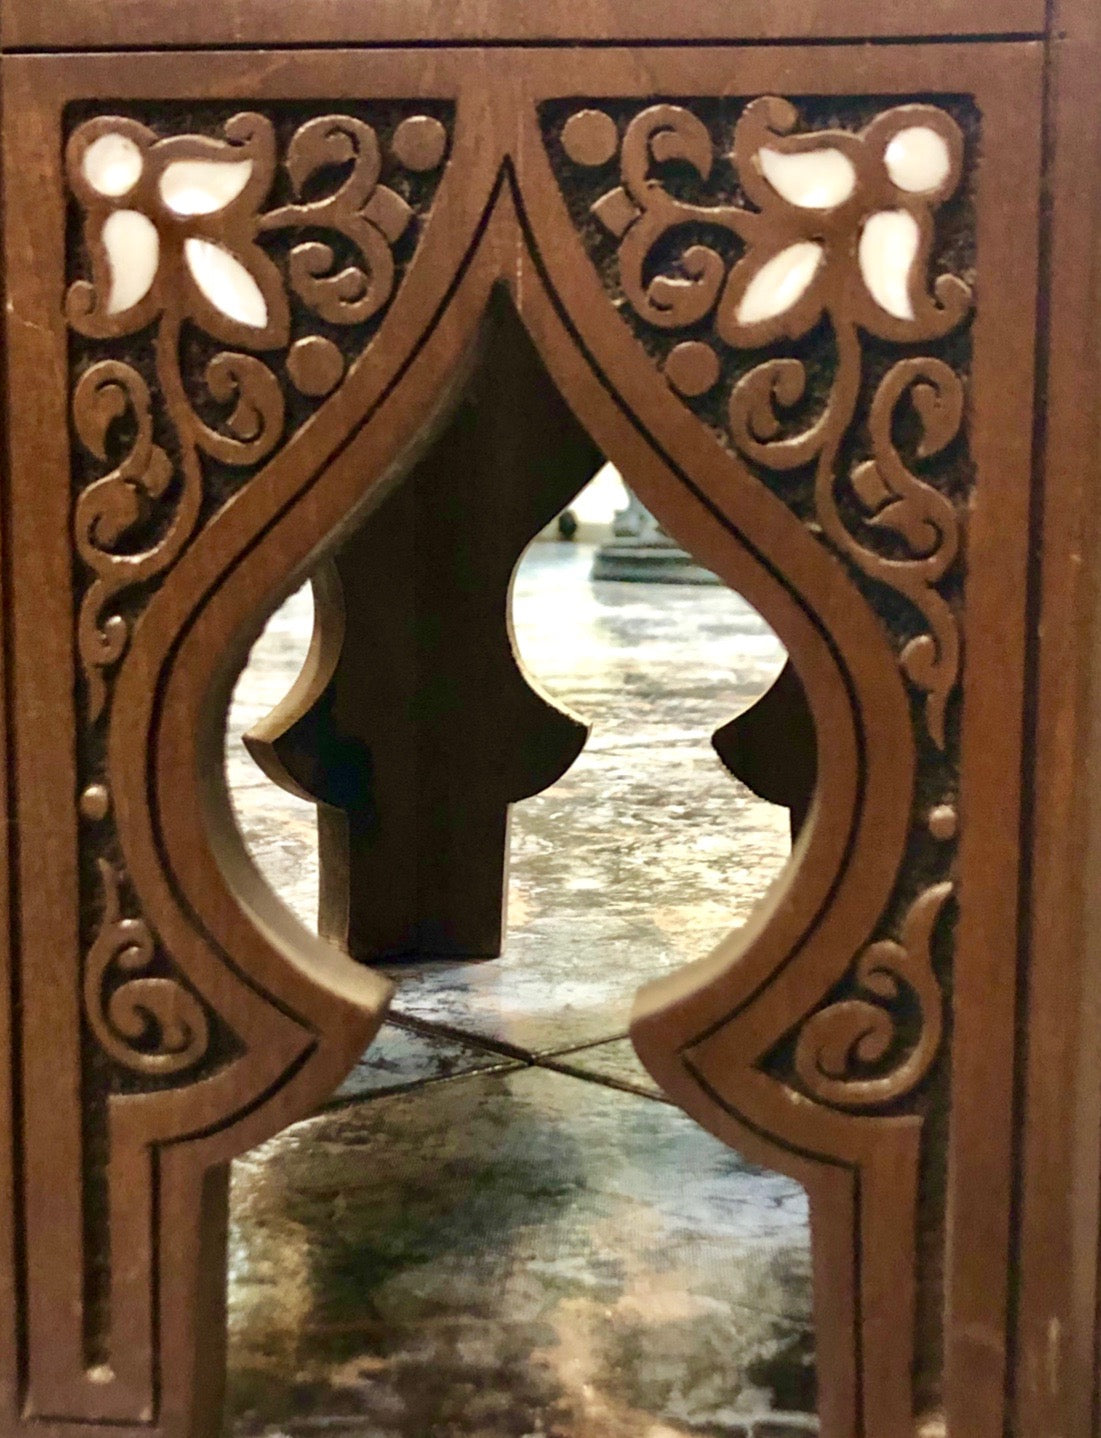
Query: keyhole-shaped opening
[499, 1221]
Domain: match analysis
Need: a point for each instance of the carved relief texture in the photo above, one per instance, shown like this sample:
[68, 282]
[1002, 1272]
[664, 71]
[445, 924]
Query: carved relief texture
[801, 271]
[802, 274]
[226, 270]
[224, 273]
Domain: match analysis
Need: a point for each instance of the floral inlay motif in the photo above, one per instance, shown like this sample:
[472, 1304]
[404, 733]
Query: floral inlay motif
[225, 282]
[783, 278]
[832, 226]
[173, 230]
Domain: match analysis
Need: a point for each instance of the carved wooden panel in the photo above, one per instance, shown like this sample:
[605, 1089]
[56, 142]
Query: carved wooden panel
[794, 293]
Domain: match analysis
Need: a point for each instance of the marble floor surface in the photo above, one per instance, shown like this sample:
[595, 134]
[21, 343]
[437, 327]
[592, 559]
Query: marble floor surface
[498, 1227]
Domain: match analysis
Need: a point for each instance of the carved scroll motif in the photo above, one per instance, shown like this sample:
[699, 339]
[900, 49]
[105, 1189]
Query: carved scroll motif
[846, 1054]
[219, 296]
[829, 226]
[147, 1022]
[782, 278]
[186, 216]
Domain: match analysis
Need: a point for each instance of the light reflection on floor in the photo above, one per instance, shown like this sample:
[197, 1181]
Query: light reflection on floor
[499, 1229]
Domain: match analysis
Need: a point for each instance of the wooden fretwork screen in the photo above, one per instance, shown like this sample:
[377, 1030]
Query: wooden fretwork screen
[821, 281]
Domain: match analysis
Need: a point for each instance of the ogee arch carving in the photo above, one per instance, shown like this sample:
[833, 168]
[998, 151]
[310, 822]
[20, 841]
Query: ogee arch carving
[812, 1040]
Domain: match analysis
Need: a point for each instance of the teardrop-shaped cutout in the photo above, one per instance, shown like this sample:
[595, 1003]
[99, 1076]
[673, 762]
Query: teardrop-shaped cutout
[133, 250]
[202, 187]
[226, 283]
[780, 283]
[888, 247]
[810, 179]
[918, 159]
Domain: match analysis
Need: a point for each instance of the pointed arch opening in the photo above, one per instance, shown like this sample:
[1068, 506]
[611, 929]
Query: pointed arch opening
[502, 1108]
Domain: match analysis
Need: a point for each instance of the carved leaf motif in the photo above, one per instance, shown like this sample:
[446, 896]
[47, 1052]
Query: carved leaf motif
[203, 265]
[780, 283]
[177, 253]
[133, 252]
[812, 179]
[889, 244]
[226, 283]
[831, 238]
[844, 230]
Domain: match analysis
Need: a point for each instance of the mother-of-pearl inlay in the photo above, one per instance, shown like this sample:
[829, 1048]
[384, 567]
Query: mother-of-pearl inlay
[133, 250]
[918, 160]
[780, 283]
[112, 165]
[226, 283]
[888, 247]
[202, 187]
[810, 179]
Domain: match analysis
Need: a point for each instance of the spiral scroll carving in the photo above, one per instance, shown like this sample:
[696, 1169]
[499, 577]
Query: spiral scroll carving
[148, 1022]
[847, 1054]
[196, 202]
[106, 396]
[793, 286]
[223, 284]
[707, 268]
[890, 496]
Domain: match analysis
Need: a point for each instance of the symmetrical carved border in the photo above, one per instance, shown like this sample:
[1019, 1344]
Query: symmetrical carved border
[714, 200]
[182, 421]
[877, 1034]
[283, 236]
[832, 459]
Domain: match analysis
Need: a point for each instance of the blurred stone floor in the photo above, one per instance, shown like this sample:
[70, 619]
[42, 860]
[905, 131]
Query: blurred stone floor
[497, 1227]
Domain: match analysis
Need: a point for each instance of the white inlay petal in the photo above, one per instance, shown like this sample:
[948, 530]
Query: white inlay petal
[112, 165]
[226, 283]
[202, 187]
[918, 160]
[133, 253]
[780, 283]
[811, 179]
[888, 248]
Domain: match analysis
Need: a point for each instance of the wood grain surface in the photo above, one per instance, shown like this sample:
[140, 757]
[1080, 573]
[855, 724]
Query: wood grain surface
[469, 265]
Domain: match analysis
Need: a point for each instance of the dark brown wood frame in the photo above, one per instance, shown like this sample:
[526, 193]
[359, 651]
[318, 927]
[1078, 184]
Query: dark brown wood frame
[953, 1174]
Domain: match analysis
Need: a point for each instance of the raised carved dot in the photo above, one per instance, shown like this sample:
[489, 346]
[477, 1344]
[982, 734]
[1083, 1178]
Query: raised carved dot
[780, 283]
[590, 138]
[420, 142]
[202, 187]
[918, 159]
[943, 822]
[888, 248]
[810, 179]
[226, 283]
[95, 803]
[113, 165]
[133, 255]
[315, 365]
[692, 368]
